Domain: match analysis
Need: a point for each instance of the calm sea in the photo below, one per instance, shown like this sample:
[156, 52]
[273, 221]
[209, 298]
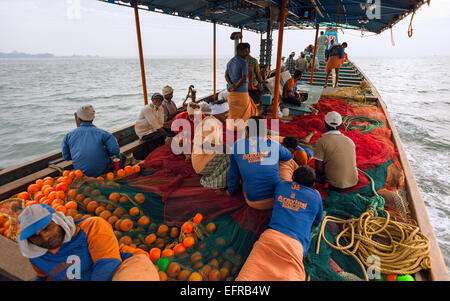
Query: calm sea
[38, 99]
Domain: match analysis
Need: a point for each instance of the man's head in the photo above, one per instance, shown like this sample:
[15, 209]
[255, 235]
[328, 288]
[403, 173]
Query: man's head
[256, 126]
[321, 33]
[302, 55]
[86, 113]
[304, 175]
[220, 111]
[344, 45]
[243, 49]
[298, 74]
[167, 92]
[192, 109]
[291, 143]
[333, 120]
[38, 228]
[292, 54]
[157, 99]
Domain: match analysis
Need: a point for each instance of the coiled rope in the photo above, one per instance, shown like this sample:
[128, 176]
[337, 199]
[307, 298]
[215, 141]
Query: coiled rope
[405, 250]
[374, 123]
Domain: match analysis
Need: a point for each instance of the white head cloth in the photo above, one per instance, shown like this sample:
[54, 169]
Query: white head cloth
[32, 214]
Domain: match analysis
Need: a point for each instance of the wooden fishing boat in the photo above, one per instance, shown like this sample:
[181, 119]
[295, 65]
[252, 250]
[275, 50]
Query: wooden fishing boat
[16, 179]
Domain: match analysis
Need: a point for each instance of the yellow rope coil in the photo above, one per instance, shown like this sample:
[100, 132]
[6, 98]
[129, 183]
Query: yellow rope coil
[401, 248]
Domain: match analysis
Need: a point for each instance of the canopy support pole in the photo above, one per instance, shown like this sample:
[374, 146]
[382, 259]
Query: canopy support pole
[214, 59]
[314, 55]
[141, 55]
[279, 50]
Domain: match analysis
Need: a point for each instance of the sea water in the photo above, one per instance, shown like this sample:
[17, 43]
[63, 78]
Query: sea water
[39, 96]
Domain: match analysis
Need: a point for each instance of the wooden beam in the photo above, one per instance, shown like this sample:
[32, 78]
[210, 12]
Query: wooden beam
[279, 53]
[141, 55]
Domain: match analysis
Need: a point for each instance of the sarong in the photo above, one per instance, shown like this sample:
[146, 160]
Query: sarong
[333, 63]
[241, 106]
[136, 268]
[274, 257]
[215, 172]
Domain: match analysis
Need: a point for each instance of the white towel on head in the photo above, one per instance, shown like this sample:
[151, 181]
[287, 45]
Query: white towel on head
[30, 250]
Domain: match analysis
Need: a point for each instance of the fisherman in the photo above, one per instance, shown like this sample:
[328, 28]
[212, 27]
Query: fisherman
[241, 106]
[192, 116]
[60, 249]
[278, 253]
[301, 63]
[91, 149]
[254, 79]
[290, 94]
[322, 44]
[169, 106]
[335, 156]
[256, 160]
[149, 126]
[309, 49]
[301, 155]
[290, 63]
[335, 61]
[209, 156]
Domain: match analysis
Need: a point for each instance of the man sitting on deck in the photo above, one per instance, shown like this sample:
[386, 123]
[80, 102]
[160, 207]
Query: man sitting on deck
[89, 147]
[169, 106]
[149, 126]
[61, 249]
[335, 60]
[335, 156]
[209, 156]
[290, 94]
[278, 253]
[241, 105]
[256, 160]
[301, 155]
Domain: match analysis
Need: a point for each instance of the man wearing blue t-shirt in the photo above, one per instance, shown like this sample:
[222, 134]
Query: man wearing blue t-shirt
[278, 254]
[256, 160]
[89, 147]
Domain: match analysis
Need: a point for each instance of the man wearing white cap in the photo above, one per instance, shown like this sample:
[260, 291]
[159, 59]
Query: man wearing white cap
[209, 156]
[169, 106]
[61, 249]
[335, 156]
[89, 147]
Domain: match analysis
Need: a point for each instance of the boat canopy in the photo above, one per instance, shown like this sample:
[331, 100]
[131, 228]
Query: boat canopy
[367, 15]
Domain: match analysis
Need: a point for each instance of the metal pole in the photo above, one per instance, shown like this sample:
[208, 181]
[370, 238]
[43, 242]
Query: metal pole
[214, 58]
[141, 55]
[279, 50]
[314, 55]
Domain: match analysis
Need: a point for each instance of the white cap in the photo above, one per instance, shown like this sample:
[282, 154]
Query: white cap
[333, 118]
[86, 113]
[167, 90]
[219, 108]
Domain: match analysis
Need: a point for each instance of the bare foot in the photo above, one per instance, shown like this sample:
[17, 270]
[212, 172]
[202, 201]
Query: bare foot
[308, 137]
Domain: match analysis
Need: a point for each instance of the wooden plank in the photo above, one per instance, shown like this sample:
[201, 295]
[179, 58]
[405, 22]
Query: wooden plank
[124, 135]
[438, 271]
[21, 184]
[13, 265]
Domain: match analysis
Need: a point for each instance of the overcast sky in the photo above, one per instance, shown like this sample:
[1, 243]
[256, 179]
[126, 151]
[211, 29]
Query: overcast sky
[50, 26]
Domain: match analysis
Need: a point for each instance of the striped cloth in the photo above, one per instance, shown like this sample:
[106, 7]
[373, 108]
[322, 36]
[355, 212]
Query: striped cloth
[215, 173]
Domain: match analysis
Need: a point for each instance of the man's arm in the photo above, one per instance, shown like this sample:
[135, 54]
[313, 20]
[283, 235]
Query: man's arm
[103, 247]
[319, 214]
[65, 149]
[111, 144]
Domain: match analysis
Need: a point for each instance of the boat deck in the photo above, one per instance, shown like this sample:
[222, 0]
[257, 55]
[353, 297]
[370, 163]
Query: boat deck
[16, 179]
